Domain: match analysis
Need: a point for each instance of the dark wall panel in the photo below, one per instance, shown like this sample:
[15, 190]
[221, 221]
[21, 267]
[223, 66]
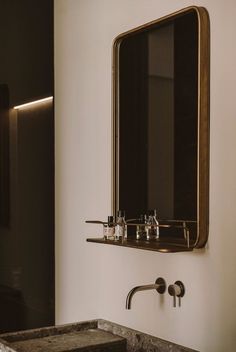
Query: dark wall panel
[27, 296]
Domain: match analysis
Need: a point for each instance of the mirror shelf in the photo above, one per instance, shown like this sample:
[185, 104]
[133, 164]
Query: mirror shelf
[163, 244]
[157, 246]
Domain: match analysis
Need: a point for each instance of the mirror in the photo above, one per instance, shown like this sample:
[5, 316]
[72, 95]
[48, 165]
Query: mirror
[161, 126]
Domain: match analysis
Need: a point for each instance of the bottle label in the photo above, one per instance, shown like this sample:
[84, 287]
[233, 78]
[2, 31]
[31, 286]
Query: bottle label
[108, 232]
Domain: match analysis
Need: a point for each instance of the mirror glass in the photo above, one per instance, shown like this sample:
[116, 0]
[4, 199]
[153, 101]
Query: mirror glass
[156, 123]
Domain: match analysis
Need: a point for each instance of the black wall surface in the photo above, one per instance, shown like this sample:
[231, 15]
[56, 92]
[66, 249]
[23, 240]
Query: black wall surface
[26, 48]
[27, 166]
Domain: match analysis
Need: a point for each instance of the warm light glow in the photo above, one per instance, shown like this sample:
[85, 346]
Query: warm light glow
[33, 102]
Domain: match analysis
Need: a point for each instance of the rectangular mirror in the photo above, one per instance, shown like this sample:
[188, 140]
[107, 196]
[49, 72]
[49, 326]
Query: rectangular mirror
[161, 125]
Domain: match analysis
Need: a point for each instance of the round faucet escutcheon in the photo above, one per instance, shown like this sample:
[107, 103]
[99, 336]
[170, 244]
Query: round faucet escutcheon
[162, 285]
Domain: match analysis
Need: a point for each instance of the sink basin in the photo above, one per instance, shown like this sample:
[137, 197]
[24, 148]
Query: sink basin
[85, 336]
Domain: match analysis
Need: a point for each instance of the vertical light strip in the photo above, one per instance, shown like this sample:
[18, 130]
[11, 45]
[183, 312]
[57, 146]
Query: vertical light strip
[33, 103]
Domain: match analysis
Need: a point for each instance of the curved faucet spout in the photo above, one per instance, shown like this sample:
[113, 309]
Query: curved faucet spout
[159, 285]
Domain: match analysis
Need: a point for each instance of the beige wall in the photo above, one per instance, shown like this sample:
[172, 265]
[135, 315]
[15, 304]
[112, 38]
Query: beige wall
[93, 280]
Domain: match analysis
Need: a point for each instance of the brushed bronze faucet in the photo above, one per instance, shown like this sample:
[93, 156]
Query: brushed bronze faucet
[159, 286]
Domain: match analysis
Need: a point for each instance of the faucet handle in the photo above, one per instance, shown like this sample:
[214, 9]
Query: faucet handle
[176, 290]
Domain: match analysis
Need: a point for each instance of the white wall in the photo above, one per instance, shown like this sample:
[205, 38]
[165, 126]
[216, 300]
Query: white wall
[93, 280]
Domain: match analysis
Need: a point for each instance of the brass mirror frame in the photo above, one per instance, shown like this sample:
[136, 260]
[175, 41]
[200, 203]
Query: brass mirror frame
[203, 116]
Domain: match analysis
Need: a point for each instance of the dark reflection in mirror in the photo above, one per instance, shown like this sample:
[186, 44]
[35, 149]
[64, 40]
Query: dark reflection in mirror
[158, 120]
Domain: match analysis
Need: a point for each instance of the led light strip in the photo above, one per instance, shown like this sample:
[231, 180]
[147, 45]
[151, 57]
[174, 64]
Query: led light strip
[33, 102]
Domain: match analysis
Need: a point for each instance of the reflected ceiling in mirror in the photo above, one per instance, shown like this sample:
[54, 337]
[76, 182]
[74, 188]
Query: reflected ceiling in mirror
[161, 123]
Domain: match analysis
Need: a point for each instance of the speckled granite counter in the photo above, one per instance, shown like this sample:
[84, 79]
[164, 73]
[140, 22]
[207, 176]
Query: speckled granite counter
[95, 335]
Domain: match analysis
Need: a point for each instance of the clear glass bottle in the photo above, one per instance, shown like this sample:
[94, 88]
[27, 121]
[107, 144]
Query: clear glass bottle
[121, 227]
[109, 229]
[141, 230]
[152, 228]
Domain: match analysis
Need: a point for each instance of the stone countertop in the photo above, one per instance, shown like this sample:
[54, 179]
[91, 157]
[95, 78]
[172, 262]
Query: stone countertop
[95, 335]
[140, 342]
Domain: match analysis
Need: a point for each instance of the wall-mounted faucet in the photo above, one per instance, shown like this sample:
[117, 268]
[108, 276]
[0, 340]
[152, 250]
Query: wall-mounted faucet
[159, 286]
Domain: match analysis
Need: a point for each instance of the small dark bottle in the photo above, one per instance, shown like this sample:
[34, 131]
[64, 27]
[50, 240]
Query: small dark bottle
[109, 229]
